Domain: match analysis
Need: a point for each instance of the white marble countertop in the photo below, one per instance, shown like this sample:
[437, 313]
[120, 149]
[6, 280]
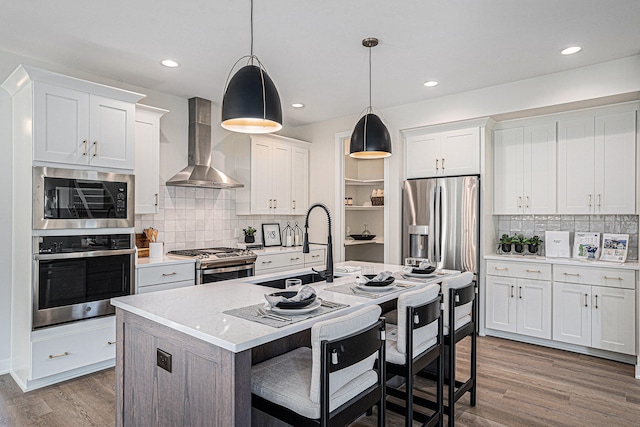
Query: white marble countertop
[167, 260]
[278, 250]
[632, 265]
[198, 310]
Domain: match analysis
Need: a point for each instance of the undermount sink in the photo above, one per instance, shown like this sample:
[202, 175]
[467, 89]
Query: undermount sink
[279, 282]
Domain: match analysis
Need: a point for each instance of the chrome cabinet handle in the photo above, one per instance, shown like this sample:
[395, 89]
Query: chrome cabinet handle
[612, 278]
[596, 301]
[85, 147]
[270, 203]
[295, 259]
[598, 200]
[585, 300]
[315, 256]
[519, 201]
[169, 274]
[443, 164]
[501, 268]
[55, 356]
[511, 291]
[526, 202]
[267, 262]
[589, 202]
[111, 342]
[437, 164]
[95, 148]
[275, 204]
[520, 291]
[294, 204]
[572, 274]
[156, 199]
[534, 271]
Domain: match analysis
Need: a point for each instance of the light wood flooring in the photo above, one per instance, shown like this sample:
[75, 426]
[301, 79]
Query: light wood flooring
[518, 385]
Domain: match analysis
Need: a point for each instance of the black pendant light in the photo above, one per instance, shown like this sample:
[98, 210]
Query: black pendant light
[370, 138]
[251, 103]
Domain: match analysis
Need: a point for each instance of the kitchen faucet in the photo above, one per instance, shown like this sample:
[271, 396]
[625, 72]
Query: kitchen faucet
[327, 274]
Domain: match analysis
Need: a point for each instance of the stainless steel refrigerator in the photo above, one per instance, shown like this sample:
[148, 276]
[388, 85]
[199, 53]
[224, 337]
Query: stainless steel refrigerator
[441, 221]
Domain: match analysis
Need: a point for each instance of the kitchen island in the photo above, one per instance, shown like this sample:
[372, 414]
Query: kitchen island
[181, 360]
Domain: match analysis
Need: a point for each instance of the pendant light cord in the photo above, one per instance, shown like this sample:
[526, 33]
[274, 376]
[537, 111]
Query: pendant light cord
[251, 32]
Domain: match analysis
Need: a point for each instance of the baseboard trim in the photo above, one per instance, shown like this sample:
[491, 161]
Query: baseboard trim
[4, 366]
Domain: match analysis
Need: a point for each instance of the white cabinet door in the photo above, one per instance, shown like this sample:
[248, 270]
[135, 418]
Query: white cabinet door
[281, 185]
[539, 169]
[501, 303]
[534, 308]
[112, 130]
[576, 166]
[261, 177]
[572, 313]
[460, 152]
[615, 166]
[299, 180]
[613, 322]
[508, 174]
[147, 170]
[61, 124]
[423, 156]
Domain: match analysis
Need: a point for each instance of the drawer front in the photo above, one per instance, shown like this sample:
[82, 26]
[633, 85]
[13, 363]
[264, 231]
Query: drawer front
[314, 257]
[523, 270]
[611, 277]
[288, 259]
[165, 286]
[159, 274]
[63, 353]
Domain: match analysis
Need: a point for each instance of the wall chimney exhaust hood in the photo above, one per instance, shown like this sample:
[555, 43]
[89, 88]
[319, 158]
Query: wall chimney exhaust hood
[199, 172]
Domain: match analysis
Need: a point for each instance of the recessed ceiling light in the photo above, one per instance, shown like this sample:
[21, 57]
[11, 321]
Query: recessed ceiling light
[297, 105]
[571, 50]
[431, 83]
[170, 63]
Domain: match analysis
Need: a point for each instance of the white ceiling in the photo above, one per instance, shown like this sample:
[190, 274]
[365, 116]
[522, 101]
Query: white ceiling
[312, 49]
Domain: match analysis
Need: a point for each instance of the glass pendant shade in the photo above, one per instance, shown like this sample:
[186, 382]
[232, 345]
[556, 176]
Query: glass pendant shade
[251, 103]
[370, 139]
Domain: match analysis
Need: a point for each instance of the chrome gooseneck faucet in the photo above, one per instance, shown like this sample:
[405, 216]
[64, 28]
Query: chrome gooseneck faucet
[327, 274]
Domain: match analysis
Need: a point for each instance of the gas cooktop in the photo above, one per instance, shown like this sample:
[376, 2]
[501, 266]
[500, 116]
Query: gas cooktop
[216, 256]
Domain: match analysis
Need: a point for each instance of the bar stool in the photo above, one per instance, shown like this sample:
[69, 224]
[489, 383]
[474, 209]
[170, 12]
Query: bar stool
[333, 382]
[413, 344]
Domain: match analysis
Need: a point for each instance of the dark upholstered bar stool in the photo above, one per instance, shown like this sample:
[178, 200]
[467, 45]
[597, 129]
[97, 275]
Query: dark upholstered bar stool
[412, 344]
[333, 382]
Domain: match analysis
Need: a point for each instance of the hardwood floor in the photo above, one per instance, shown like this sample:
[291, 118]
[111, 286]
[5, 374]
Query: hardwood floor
[518, 385]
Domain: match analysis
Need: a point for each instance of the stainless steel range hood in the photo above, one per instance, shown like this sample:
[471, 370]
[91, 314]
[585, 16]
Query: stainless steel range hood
[199, 172]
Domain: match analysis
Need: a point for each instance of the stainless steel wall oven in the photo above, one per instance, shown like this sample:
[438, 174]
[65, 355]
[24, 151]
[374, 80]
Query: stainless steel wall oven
[70, 198]
[76, 276]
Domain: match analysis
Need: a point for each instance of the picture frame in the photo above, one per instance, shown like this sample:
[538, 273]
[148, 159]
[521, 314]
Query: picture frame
[271, 235]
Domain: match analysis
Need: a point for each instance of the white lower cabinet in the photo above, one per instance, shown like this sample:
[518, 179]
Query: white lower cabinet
[276, 262]
[166, 275]
[519, 305]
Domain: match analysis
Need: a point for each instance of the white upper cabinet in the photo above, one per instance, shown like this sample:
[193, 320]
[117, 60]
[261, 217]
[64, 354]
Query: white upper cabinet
[449, 153]
[524, 168]
[147, 170]
[597, 164]
[76, 122]
[275, 174]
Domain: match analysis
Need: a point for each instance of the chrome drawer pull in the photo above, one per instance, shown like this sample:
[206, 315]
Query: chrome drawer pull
[612, 278]
[315, 256]
[572, 274]
[169, 274]
[501, 268]
[111, 342]
[534, 271]
[295, 259]
[55, 356]
[267, 262]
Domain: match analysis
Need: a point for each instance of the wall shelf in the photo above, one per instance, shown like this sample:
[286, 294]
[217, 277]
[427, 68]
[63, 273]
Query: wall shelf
[363, 208]
[351, 181]
[349, 242]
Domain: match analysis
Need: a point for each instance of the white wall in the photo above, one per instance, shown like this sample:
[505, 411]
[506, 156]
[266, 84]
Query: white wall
[614, 80]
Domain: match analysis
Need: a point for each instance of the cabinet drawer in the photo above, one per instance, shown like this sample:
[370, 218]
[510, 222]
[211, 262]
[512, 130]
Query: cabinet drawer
[159, 274]
[523, 270]
[315, 256]
[72, 350]
[287, 259]
[611, 277]
[165, 286]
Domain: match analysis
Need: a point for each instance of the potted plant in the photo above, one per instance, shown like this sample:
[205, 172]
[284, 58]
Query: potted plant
[533, 243]
[505, 243]
[249, 234]
[518, 241]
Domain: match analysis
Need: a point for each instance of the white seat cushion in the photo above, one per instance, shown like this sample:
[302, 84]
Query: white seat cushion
[285, 380]
[393, 355]
[463, 312]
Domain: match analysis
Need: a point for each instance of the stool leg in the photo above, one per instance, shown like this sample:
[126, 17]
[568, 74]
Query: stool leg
[408, 402]
[473, 369]
[452, 378]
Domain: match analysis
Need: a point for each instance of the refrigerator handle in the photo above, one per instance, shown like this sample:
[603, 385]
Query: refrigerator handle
[438, 224]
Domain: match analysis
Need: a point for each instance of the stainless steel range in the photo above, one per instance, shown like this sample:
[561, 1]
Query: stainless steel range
[218, 264]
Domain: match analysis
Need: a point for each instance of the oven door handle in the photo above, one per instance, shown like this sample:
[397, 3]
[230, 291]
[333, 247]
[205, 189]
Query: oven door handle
[70, 255]
[216, 270]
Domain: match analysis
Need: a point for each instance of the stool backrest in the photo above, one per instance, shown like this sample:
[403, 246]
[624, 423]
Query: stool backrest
[413, 299]
[462, 310]
[335, 329]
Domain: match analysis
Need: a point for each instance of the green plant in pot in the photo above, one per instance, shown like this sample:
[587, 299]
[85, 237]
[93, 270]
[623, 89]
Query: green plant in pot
[533, 243]
[518, 241]
[249, 234]
[505, 243]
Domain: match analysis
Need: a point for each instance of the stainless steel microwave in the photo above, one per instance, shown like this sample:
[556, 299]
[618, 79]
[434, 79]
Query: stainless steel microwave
[71, 198]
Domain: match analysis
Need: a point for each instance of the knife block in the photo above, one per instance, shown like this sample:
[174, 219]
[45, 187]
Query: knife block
[143, 245]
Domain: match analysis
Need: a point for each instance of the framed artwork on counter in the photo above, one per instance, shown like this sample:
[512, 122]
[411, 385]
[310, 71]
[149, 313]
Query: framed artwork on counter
[614, 247]
[271, 235]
